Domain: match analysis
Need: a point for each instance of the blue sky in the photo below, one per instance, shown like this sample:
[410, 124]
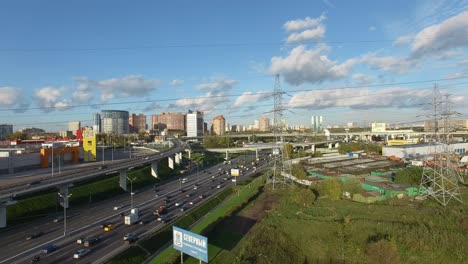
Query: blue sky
[61, 61]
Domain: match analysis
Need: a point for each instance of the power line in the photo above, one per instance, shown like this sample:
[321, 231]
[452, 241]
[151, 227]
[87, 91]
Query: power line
[230, 95]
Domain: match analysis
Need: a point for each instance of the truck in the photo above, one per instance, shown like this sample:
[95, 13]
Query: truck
[160, 211]
[133, 217]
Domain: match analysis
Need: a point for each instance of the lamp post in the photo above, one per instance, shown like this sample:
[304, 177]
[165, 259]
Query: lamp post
[65, 205]
[131, 191]
[52, 159]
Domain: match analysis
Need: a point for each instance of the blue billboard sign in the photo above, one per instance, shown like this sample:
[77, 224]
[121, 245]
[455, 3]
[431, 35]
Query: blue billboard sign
[190, 243]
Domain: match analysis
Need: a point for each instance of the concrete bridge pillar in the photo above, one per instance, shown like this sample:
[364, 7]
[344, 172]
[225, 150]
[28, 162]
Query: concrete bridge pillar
[123, 179]
[256, 153]
[312, 147]
[3, 211]
[227, 155]
[337, 144]
[176, 158]
[154, 169]
[330, 145]
[170, 162]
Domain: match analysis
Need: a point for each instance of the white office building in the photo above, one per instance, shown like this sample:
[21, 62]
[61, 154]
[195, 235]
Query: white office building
[194, 124]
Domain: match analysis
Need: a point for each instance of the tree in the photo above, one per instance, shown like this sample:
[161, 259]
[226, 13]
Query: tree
[288, 150]
[298, 171]
[411, 175]
[332, 188]
[352, 185]
[17, 135]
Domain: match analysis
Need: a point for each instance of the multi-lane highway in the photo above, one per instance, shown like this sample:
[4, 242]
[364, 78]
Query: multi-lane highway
[78, 174]
[85, 221]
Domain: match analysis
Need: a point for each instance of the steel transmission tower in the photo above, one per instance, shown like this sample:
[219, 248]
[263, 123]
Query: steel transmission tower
[440, 176]
[278, 128]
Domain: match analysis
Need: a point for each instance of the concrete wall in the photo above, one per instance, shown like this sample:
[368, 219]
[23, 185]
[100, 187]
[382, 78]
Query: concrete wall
[413, 151]
[23, 160]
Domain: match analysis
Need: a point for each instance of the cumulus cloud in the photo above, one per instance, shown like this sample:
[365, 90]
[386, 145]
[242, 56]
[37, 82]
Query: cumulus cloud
[12, 97]
[300, 24]
[362, 79]
[451, 33]
[217, 86]
[206, 103]
[309, 34]
[362, 98]
[129, 86]
[176, 82]
[389, 63]
[49, 99]
[313, 66]
[403, 40]
[250, 98]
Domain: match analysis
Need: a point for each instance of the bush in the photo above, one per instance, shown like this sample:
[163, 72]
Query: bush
[411, 175]
[382, 252]
[298, 171]
[352, 185]
[331, 188]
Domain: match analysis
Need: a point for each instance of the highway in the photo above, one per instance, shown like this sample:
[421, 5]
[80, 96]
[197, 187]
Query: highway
[85, 221]
[78, 174]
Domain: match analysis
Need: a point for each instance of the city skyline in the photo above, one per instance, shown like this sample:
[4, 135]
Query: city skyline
[334, 60]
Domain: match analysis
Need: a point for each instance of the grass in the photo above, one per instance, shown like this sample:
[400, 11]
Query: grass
[245, 193]
[345, 232]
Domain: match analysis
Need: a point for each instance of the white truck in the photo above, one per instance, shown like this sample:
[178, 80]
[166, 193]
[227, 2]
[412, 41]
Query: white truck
[133, 217]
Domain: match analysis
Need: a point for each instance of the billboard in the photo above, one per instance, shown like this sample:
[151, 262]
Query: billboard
[89, 145]
[235, 172]
[190, 243]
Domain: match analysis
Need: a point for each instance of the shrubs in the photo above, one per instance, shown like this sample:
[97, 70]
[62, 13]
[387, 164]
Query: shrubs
[411, 175]
[352, 185]
[330, 188]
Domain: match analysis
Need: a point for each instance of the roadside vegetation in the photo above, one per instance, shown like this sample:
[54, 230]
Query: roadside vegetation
[356, 146]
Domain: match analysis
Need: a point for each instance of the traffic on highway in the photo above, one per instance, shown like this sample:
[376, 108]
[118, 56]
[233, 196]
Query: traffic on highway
[97, 233]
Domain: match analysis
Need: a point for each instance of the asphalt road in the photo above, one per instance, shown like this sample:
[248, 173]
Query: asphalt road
[85, 222]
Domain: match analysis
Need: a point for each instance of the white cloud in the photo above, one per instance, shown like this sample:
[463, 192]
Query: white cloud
[176, 82]
[9, 96]
[129, 86]
[451, 33]
[217, 86]
[389, 63]
[361, 98]
[300, 24]
[309, 34]
[49, 99]
[372, 28]
[362, 79]
[403, 40]
[205, 103]
[313, 66]
[250, 98]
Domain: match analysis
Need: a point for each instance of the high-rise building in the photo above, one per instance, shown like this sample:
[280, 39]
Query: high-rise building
[317, 123]
[97, 122]
[114, 121]
[195, 124]
[74, 126]
[5, 130]
[169, 121]
[256, 124]
[264, 124]
[218, 125]
[137, 123]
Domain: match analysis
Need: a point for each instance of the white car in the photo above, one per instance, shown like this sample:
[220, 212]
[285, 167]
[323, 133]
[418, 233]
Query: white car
[234, 180]
[178, 203]
[117, 207]
[195, 187]
[219, 186]
[81, 253]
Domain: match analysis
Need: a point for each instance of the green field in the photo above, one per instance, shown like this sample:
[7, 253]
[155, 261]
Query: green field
[396, 231]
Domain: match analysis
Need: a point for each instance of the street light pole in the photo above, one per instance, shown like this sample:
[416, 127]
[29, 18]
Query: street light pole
[131, 191]
[52, 160]
[65, 204]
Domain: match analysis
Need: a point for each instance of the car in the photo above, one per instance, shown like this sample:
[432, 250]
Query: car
[195, 187]
[102, 167]
[108, 227]
[49, 249]
[188, 195]
[178, 203]
[166, 201]
[218, 187]
[129, 236]
[184, 180]
[191, 202]
[225, 178]
[163, 219]
[58, 219]
[81, 253]
[234, 180]
[182, 208]
[91, 241]
[34, 183]
[34, 235]
[212, 177]
[142, 222]
[36, 259]
[104, 224]
[201, 196]
[117, 207]
[182, 190]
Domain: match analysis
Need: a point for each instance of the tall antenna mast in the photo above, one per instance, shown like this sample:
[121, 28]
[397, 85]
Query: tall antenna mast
[440, 175]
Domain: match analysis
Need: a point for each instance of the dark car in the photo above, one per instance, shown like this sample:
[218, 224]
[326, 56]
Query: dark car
[35, 259]
[49, 249]
[104, 224]
[34, 235]
[91, 241]
[34, 183]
